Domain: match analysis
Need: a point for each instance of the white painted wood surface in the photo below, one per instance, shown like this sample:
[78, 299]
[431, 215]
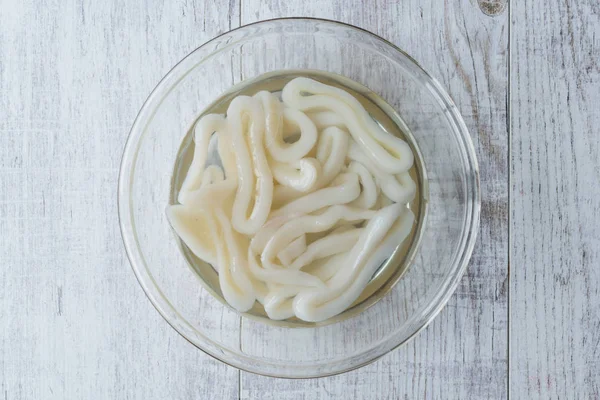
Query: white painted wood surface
[74, 322]
[555, 201]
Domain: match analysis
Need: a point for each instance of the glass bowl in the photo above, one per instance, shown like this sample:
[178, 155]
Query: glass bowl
[451, 195]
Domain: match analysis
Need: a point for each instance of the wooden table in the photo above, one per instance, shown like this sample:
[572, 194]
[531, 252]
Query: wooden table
[525, 321]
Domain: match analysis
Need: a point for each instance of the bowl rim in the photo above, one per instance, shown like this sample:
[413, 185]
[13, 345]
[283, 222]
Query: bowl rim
[164, 306]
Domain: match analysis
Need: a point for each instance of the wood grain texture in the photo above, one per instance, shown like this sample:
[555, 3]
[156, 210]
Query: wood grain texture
[555, 200]
[74, 323]
[463, 354]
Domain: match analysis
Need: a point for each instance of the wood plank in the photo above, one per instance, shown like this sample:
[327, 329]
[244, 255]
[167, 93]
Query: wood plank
[74, 322]
[463, 354]
[555, 200]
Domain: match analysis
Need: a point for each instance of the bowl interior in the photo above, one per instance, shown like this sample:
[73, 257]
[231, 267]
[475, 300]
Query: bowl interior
[452, 197]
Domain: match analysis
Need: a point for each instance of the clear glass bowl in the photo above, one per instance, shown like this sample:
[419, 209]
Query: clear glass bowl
[452, 196]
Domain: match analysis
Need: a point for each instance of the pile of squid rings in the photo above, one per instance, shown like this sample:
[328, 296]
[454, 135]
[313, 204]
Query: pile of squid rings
[309, 198]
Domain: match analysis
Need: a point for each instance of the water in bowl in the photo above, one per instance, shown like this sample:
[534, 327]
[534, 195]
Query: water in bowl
[391, 270]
